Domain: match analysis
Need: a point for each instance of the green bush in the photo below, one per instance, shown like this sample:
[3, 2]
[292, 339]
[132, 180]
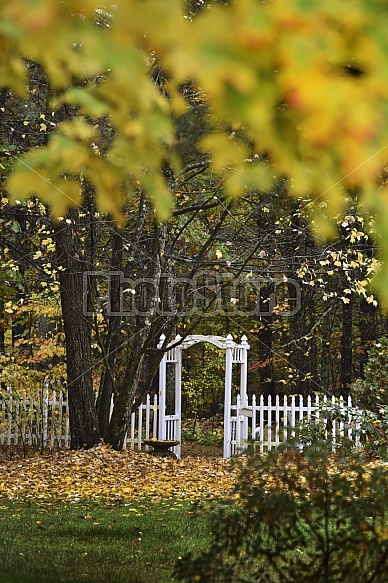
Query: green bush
[206, 431]
[371, 396]
[371, 393]
[369, 413]
[369, 427]
[299, 517]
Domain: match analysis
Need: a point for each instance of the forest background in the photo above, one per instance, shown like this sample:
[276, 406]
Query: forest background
[206, 167]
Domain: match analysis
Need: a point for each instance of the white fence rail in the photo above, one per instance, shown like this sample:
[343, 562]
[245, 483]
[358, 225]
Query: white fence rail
[44, 422]
[144, 424]
[267, 422]
[270, 422]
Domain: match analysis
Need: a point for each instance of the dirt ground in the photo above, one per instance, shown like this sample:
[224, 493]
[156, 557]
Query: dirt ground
[188, 449]
[193, 449]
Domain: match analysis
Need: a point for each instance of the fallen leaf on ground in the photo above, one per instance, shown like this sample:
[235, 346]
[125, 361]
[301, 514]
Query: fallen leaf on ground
[103, 473]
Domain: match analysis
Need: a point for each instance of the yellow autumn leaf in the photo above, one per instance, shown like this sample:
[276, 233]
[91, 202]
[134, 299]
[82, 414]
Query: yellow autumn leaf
[77, 128]
[69, 475]
[225, 152]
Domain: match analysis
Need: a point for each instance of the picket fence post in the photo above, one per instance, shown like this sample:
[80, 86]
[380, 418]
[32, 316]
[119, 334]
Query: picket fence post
[273, 421]
[267, 422]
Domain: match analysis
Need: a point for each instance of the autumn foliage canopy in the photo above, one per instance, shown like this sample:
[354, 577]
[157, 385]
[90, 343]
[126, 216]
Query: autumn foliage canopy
[295, 88]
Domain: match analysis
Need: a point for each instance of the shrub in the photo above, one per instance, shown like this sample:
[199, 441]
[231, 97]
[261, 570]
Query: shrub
[371, 395]
[370, 428]
[303, 517]
[206, 432]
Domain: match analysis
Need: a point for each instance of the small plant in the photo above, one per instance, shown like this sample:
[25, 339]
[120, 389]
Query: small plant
[345, 427]
[207, 438]
[300, 517]
[206, 432]
[334, 422]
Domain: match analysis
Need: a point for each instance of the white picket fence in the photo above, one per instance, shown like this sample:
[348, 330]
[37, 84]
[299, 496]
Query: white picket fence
[143, 425]
[269, 423]
[40, 422]
[44, 422]
[266, 422]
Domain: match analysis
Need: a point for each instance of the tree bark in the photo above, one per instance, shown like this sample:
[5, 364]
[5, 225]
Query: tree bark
[122, 410]
[2, 326]
[265, 348]
[346, 348]
[312, 383]
[298, 357]
[325, 357]
[111, 342]
[84, 429]
[142, 339]
[368, 331]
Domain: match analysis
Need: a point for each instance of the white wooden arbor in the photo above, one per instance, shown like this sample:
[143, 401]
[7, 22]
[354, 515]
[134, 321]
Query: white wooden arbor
[169, 426]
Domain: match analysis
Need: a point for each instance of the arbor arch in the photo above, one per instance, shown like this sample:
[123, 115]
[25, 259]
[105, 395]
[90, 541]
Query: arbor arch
[169, 426]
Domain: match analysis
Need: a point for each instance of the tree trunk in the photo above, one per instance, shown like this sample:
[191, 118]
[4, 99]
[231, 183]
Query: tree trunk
[2, 326]
[298, 358]
[147, 308]
[111, 342]
[84, 429]
[122, 410]
[312, 383]
[346, 348]
[266, 372]
[368, 331]
[325, 358]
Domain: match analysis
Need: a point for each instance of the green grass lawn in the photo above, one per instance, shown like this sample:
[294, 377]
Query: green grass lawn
[135, 542]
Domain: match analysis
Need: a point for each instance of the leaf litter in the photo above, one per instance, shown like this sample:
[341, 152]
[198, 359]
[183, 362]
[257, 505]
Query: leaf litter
[101, 473]
[106, 474]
